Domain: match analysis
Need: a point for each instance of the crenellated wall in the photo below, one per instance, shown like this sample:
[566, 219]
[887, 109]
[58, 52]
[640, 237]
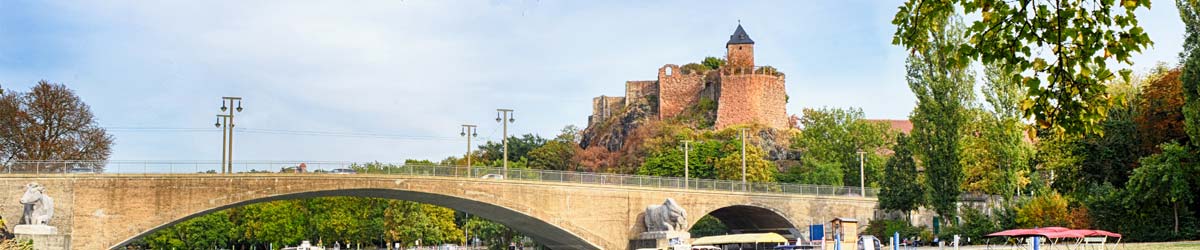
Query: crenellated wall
[677, 90]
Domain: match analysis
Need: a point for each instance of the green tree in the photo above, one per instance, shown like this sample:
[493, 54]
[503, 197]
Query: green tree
[279, 223]
[208, 231]
[713, 62]
[901, 190]
[1046, 210]
[1166, 178]
[518, 147]
[814, 172]
[943, 87]
[708, 226]
[559, 153]
[1079, 36]
[835, 136]
[757, 167]
[1189, 11]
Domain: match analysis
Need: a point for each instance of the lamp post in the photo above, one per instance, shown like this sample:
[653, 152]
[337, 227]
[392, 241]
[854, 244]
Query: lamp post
[862, 176]
[686, 177]
[507, 115]
[222, 122]
[227, 152]
[468, 131]
[743, 134]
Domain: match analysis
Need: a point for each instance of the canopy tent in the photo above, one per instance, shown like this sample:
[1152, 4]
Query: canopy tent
[1057, 234]
[1054, 233]
[741, 238]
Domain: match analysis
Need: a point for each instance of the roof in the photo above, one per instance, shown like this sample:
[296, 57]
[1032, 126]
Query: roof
[844, 219]
[741, 238]
[739, 37]
[902, 126]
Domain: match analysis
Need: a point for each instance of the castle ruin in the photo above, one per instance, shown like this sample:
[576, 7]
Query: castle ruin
[743, 92]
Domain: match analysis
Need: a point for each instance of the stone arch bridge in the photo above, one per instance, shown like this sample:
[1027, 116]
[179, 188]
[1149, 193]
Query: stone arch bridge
[105, 211]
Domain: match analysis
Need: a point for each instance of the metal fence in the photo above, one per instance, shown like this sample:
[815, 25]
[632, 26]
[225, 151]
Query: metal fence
[484, 173]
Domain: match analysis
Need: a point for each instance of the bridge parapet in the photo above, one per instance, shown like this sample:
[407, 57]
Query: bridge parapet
[242, 167]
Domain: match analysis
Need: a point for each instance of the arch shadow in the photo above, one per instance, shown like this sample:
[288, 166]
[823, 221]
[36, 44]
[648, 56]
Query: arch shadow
[754, 219]
[552, 236]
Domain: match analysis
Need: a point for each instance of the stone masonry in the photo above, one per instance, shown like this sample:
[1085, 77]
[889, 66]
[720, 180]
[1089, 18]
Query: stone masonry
[744, 93]
[110, 210]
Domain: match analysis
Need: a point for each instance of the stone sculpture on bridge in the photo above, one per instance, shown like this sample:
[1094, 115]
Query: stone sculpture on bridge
[39, 207]
[667, 217]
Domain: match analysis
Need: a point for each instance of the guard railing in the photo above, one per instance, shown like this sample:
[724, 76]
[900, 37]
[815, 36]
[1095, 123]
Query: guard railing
[476, 172]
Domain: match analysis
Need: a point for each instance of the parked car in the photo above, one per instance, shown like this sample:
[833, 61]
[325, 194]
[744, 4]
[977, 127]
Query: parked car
[343, 171]
[492, 176]
[869, 242]
[81, 170]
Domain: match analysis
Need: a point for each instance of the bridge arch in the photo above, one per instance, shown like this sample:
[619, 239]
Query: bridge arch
[544, 232]
[752, 218]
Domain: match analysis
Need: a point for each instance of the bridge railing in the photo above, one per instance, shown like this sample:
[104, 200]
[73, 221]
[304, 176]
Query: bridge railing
[480, 173]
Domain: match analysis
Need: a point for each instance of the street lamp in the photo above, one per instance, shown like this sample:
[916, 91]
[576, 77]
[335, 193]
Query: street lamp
[227, 145]
[686, 178]
[468, 131]
[862, 176]
[501, 116]
[223, 122]
[743, 133]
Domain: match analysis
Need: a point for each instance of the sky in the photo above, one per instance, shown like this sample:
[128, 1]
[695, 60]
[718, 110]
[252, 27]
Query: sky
[394, 80]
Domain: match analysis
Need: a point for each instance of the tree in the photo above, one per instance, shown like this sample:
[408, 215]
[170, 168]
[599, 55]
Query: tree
[1046, 210]
[1005, 133]
[901, 190]
[943, 87]
[1166, 177]
[713, 62]
[1159, 116]
[518, 147]
[50, 123]
[1189, 11]
[559, 153]
[208, 231]
[1066, 85]
[834, 136]
[814, 172]
[757, 168]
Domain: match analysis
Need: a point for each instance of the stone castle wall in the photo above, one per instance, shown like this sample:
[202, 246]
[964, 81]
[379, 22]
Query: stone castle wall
[752, 98]
[677, 90]
[604, 107]
[636, 91]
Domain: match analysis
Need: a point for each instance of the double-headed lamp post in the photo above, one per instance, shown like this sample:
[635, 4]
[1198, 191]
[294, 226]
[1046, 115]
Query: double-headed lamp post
[686, 178]
[505, 116]
[862, 176]
[743, 134]
[468, 131]
[227, 132]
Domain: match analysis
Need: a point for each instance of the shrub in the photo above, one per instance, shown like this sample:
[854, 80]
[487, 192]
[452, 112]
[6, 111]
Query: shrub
[1047, 210]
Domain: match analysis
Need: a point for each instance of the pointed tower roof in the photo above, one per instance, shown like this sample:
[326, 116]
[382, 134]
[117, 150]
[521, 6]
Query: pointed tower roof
[739, 37]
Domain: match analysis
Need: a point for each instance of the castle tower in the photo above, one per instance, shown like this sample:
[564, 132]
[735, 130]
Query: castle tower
[739, 49]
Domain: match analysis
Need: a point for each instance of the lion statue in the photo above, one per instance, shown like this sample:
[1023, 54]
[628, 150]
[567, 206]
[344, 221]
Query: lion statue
[666, 217]
[38, 206]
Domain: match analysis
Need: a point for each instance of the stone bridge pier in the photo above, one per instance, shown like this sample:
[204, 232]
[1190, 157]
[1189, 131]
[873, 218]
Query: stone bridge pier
[111, 210]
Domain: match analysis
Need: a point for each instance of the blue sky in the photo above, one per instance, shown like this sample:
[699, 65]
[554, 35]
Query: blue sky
[392, 80]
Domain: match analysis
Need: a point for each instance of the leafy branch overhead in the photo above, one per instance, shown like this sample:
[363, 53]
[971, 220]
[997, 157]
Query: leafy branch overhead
[1060, 50]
